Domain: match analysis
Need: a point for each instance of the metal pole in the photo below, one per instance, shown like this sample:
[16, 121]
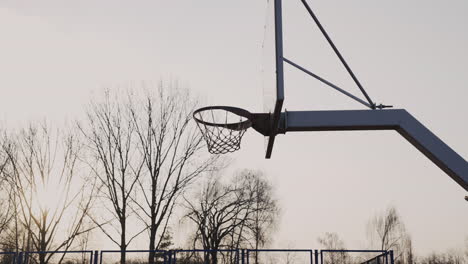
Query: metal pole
[95, 258]
[20, 258]
[279, 75]
[316, 257]
[392, 261]
[279, 51]
[396, 119]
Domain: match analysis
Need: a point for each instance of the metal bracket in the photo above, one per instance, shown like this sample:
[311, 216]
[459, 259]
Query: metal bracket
[261, 123]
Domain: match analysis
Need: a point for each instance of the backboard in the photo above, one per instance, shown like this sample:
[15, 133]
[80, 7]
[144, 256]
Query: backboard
[272, 69]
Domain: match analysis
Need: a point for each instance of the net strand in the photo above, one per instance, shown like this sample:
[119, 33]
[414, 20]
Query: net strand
[220, 139]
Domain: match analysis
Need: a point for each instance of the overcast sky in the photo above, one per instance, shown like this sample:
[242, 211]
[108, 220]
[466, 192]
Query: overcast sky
[411, 54]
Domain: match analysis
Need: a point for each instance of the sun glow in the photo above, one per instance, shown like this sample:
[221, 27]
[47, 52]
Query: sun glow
[47, 197]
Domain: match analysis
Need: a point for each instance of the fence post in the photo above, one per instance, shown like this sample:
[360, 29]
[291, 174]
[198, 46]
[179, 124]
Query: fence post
[243, 256]
[391, 257]
[316, 257]
[96, 257]
[19, 258]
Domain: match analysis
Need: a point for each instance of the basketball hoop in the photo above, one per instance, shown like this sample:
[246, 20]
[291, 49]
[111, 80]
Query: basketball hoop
[223, 127]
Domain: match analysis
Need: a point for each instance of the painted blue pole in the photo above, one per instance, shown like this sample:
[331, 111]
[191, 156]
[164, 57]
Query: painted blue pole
[95, 258]
[20, 258]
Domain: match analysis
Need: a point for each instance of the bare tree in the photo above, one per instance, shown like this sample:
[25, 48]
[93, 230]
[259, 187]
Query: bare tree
[42, 163]
[450, 257]
[333, 242]
[171, 146]
[265, 211]
[387, 231]
[116, 162]
[225, 215]
[216, 214]
[6, 191]
[408, 256]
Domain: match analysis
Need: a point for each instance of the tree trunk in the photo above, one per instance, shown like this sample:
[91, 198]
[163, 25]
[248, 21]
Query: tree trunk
[123, 242]
[153, 227]
[152, 244]
[151, 256]
[214, 257]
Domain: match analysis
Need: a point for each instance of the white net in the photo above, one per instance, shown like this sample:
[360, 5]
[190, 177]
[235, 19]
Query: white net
[221, 129]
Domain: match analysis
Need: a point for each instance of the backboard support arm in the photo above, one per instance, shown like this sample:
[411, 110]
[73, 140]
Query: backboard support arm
[398, 119]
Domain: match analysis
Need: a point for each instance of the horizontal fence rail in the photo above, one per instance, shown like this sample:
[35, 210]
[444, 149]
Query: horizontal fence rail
[65, 257]
[201, 256]
[343, 256]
